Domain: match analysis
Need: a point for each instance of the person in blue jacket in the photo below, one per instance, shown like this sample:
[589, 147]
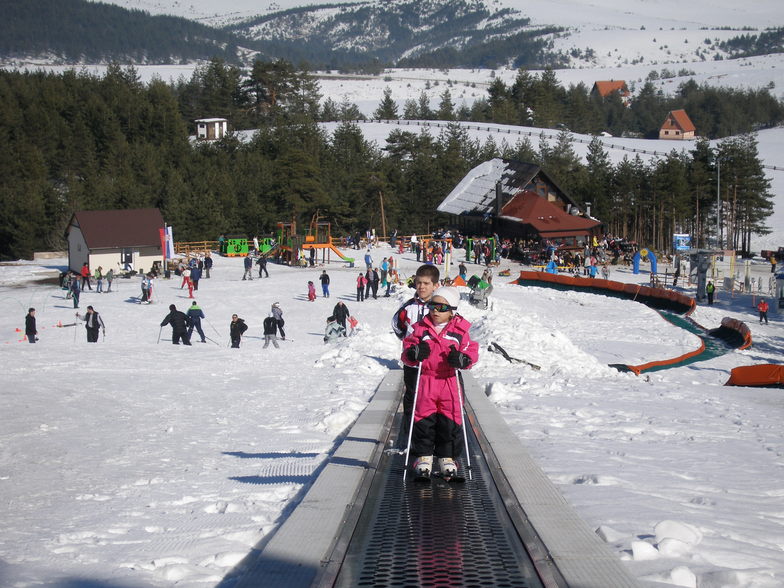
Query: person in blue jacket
[195, 313]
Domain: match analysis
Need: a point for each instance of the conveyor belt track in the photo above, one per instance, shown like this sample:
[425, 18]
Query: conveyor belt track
[438, 533]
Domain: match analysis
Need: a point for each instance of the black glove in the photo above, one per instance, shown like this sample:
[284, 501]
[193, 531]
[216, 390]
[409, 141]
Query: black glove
[458, 359]
[419, 352]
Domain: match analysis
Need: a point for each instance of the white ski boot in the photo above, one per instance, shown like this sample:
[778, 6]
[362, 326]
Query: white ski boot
[447, 466]
[423, 466]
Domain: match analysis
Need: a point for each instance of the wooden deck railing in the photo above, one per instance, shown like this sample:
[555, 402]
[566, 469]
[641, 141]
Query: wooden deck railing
[188, 248]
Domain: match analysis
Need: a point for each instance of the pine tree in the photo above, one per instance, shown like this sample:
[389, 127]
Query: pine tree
[387, 108]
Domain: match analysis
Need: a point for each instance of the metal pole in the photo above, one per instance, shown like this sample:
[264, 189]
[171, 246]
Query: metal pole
[465, 433]
[411, 425]
[718, 204]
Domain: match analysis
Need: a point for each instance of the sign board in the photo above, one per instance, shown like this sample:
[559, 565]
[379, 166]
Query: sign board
[681, 242]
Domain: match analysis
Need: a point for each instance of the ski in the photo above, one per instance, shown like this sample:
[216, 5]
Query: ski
[454, 479]
[422, 478]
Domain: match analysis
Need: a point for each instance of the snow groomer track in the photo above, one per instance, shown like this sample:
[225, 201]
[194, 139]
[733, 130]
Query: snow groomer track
[361, 525]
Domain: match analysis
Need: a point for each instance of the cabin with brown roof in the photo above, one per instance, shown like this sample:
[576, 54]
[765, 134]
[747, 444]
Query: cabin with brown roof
[677, 126]
[607, 88]
[115, 239]
[518, 200]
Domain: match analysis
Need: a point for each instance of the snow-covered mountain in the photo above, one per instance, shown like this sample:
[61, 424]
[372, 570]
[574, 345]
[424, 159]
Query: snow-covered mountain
[599, 33]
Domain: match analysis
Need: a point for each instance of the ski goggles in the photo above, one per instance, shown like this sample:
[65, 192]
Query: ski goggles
[440, 306]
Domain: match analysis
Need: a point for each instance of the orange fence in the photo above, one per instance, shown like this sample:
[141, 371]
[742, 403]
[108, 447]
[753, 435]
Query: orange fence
[741, 328]
[659, 298]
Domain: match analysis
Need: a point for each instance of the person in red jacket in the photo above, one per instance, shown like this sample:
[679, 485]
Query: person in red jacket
[440, 342]
[763, 311]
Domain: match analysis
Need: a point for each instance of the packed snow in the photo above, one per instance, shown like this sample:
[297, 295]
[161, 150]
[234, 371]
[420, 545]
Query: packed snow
[134, 462]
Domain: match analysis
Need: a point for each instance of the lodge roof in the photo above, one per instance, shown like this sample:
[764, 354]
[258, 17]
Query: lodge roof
[548, 219]
[475, 194]
[678, 119]
[607, 87]
[111, 229]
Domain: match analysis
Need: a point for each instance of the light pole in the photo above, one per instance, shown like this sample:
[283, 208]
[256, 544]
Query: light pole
[718, 202]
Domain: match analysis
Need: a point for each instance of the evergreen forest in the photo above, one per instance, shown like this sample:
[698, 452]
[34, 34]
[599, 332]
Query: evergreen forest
[75, 141]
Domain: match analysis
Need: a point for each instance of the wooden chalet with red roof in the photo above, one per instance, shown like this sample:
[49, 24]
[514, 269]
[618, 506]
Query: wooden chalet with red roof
[115, 239]
[607, 88]
[677, 126]
[518, 200]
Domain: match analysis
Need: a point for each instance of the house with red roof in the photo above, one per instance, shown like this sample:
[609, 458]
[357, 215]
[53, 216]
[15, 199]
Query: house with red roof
[115, 239]
[677, 126]
[518, 200]
[607, 88]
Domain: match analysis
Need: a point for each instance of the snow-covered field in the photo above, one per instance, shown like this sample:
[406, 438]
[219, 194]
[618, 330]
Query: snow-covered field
[133, 462]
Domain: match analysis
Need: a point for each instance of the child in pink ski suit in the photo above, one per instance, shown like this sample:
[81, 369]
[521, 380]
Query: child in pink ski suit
[441, 343]
[311, 291]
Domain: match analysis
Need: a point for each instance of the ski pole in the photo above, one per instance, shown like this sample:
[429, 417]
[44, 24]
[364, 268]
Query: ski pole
[159, 335]
[465, 433]
[411, 424]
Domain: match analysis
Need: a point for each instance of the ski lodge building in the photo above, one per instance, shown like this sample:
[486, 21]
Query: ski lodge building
[677, 126]
[518, 200]
[115, 239]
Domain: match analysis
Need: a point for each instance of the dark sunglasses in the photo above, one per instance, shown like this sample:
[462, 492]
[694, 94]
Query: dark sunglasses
[440, 306]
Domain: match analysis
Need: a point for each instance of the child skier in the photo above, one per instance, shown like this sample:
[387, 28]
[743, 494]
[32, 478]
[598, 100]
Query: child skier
[311, 291]
[441, 343]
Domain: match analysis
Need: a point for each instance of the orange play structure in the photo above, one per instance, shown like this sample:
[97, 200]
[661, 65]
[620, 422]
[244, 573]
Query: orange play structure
[318, 237]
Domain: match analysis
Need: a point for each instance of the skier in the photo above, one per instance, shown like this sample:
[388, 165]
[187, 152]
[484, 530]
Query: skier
[341, 313]
[86, 276]
[236, 328]
[92, 323]
[31, 330]
[278, 314]
[324, 284]
[440, 342]
[762, 307]
[146, 289]
[186, 277]
[75, 291]
[195, 314]
[270, 331]
[98, 280]
[207, 265]
[109, 279]
[195, 277]
[413, 310]
[334, 330]
[179, 322]
[311, 291]
[374, 281]
[368, 260]
[248, 264]
[262, 263]
[710, 290]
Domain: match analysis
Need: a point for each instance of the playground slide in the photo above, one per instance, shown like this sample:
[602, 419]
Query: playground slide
[330, 247]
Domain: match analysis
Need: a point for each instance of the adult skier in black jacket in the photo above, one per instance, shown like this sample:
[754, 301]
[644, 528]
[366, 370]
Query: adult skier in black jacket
[179, 322]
